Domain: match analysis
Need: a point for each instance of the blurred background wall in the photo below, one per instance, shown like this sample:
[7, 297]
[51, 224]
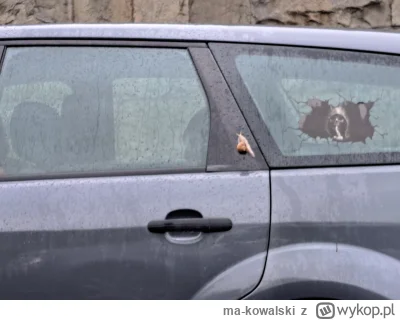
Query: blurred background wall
[376, 14]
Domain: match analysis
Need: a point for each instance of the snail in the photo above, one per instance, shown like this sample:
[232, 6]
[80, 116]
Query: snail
[243, 145]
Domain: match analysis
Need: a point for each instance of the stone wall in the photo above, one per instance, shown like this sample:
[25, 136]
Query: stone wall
[377, 14]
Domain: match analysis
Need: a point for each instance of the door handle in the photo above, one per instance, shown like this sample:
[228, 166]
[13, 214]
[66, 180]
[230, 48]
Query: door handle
[190, 225]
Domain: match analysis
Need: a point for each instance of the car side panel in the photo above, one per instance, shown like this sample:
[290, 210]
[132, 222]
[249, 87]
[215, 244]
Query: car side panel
[334, 234]
[88, 238]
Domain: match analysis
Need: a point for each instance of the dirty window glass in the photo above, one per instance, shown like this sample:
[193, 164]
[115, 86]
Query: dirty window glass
[87, 109]
[321, 102]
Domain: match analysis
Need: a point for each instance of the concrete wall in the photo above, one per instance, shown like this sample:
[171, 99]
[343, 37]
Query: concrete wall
[377, 14]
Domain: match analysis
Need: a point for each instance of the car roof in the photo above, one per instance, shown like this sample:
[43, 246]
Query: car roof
[364, 40]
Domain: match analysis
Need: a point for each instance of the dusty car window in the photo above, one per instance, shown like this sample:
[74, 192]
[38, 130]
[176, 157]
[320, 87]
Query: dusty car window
[325, 102]
[94, 109]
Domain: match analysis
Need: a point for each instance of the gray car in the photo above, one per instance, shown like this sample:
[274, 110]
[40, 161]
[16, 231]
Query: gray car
[199, 162]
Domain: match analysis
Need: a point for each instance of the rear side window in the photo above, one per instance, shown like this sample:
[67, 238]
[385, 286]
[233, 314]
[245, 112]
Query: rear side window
[99, 109]
[315, 106]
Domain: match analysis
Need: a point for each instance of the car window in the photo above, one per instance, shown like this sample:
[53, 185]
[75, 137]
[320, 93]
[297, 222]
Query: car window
[98, 109]
[318, 99]
[317, 102]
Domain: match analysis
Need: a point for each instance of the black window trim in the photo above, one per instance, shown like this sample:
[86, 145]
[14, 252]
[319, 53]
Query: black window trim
[2, 54]
[224, 56]
[100, 174]
[226, 120]
[102, 43]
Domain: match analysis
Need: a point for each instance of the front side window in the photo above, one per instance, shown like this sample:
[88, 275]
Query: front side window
[319, 103]
[98, 109]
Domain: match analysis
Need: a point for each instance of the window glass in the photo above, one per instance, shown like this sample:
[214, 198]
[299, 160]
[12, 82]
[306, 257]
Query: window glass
[322, 102]
[90, 109]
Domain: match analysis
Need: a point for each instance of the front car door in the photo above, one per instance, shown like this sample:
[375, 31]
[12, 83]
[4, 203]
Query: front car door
[99, 143]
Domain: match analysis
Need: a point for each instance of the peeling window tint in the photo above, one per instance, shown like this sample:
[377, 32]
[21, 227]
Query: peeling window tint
[94, 109]
[325, 105]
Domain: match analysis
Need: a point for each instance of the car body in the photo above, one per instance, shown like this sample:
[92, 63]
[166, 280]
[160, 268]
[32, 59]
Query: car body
[121, 177]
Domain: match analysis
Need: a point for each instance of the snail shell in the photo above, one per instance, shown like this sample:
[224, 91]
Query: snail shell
[242, 148]
[243, 145]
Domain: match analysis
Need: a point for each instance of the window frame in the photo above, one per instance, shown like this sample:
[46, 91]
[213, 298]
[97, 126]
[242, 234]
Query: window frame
[226, 120]
[225, 54]
[210, 78]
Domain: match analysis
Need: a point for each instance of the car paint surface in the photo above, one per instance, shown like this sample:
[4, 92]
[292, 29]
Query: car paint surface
[337, 227]
[88, 238]
[315, 37]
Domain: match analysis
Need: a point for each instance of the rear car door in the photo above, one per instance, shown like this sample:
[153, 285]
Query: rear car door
[105, 148]
[327, 122]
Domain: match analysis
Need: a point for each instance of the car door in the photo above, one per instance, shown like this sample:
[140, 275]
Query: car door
[326, 121]
[120, 175]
